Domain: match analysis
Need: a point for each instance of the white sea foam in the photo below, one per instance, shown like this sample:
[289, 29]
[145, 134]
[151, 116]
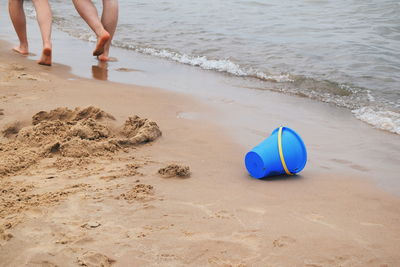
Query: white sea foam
[381, 119]
[221, 65]
[385, 120]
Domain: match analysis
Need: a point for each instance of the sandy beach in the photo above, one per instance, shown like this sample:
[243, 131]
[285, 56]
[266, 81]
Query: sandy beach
[81, 184]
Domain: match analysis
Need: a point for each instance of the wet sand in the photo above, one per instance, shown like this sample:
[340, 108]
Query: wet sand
[110, 206]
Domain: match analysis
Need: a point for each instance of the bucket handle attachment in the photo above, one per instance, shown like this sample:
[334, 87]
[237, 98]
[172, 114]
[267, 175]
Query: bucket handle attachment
[281, 152]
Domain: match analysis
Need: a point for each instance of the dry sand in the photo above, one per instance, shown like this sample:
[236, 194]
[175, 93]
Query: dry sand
[82, 184]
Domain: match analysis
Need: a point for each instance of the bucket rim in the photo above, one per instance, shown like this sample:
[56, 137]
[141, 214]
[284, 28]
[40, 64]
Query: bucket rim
[301, 142]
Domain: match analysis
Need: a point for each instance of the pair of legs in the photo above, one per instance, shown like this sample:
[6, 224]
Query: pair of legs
[44, 17]
[104, 27]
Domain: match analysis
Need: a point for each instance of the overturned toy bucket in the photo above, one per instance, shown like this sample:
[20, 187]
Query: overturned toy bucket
[283, 152]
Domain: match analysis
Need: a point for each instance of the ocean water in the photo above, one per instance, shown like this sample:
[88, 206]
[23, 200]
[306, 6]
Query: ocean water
[345, 52]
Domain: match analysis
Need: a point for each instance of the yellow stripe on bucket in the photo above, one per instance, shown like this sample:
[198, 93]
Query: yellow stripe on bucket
[281, 152]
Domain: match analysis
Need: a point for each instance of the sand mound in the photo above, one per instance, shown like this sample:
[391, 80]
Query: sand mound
[65, 114]
[79, 133]
[174, 170]
[137, 130]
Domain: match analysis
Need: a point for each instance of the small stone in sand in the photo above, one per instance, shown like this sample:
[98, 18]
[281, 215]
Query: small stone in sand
[174, 170]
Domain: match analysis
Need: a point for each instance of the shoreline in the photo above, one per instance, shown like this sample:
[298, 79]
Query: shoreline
[336, 139]
[332, 214]
[367, 105]
[136, 68]
[319, 218]
[364, 103]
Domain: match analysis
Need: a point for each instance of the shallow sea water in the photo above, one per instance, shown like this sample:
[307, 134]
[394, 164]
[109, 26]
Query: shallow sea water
[341, 52]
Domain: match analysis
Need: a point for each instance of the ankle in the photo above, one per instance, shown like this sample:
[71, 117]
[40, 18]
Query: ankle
[105, 53]
[103, 32]
[23, 46]
[47, 45]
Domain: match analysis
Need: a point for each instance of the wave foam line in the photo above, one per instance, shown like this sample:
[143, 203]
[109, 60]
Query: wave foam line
[384, 120]
[221, 65]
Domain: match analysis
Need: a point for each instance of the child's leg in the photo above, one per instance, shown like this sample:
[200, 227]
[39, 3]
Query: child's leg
[17, 15]
[44, 18]
[109, 19]
[88, 12]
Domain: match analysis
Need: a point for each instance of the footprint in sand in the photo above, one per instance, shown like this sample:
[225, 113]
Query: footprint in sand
[95, 259]
[29, 77]
[223, 214]
[359, 168]
[18, 67]
[42, 263]
[283, 241]
[217, 261]
[344, 260]
[6, 98]
[325, 167]
[317, 218]
[341, 161]
[1, 112]
[168, 257]
[351, 165]
[5, 236]
[310, 264]
[149, 229]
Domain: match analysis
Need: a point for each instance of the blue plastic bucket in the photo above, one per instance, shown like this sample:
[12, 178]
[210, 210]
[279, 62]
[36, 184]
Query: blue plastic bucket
[283, 152]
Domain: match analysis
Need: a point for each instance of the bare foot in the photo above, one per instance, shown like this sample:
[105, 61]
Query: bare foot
[46, 57]
[103, 58]
[21, 50]
[101, 42]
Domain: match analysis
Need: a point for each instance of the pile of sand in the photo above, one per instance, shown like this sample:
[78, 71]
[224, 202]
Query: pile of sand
[174, 170]
[65, 133]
